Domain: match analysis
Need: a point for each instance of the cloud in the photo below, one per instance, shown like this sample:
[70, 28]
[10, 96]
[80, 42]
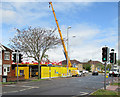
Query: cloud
[9, 16]
[87, 43]
[22, 13]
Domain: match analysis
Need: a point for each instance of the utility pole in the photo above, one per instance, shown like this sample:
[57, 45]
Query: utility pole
[67, 49]
[17, 63]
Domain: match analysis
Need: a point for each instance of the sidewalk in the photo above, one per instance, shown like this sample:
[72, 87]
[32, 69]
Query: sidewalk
[112, 87]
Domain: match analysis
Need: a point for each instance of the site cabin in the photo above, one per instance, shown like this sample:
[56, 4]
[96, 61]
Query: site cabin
[31, 70]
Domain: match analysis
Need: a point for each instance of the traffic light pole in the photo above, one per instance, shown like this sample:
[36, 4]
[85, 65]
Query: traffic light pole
[112, 72]
[17, 64]
[105, 78]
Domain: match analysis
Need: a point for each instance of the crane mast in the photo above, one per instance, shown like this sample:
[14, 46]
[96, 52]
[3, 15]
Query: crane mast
[66, 53]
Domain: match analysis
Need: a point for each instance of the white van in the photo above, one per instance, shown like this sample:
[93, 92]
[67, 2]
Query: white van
[115, 71]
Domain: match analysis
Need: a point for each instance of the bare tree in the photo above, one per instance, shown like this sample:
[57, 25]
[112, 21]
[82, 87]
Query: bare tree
[34, 42]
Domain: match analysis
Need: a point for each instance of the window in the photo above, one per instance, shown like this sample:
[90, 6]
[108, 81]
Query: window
[21, 72]
[4, 69]
[6, 55]
[8, 69]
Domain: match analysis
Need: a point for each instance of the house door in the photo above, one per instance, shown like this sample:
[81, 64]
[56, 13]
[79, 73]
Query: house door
[5, 71]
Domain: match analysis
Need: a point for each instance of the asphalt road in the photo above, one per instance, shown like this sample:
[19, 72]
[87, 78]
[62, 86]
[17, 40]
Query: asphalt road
[74, 86]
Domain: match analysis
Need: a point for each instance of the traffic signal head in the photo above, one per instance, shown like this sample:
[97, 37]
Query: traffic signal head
[14, 58]
[111, 57]
[105, 54]
[20, 58]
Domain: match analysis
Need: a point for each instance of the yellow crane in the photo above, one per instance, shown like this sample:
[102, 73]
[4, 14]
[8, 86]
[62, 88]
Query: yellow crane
[66, 53]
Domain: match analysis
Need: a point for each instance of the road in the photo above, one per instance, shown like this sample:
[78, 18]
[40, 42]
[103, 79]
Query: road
[74, 86]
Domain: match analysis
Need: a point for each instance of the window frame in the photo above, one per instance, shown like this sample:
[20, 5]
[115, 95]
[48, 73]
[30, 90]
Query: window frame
[8, 70]
[6, 58]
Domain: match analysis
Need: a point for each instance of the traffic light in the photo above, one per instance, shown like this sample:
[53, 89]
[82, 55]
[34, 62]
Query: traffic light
[115, 58]
[20, 58]
[14, 58]
[111, 57]
[105, 54]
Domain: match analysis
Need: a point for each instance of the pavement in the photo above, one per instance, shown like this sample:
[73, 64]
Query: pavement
[112, 87]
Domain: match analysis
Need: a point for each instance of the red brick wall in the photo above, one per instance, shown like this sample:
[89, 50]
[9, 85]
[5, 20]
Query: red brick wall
[6, 61]
[11, 73]
[15, 78]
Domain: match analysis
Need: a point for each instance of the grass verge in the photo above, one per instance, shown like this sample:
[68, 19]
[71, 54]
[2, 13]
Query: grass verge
[105, 92]
[118, 84]
[7, 83]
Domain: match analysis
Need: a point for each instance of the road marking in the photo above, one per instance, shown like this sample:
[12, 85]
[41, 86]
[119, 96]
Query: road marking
[10, 85]
[84, 93]
[13, 92]
[30, 87]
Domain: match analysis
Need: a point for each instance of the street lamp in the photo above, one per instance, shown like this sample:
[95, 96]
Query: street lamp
[67, 47]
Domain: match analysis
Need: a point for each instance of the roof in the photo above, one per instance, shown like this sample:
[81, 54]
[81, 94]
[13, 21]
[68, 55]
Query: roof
[72, 62]
[5, 48]
[2, 47]
[92, 62]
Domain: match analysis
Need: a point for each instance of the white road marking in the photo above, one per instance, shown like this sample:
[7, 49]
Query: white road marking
[28, 88]
[83, 93]
[10, 85]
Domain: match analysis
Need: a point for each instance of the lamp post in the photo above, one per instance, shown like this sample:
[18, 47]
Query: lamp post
[67, 48]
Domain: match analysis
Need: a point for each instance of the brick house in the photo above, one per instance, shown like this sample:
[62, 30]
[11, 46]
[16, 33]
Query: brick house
[5, 60]
[94, 64]
[74, 63]
[6, 64]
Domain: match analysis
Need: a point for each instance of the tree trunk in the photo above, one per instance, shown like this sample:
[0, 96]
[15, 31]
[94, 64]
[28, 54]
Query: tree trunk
[39, 71]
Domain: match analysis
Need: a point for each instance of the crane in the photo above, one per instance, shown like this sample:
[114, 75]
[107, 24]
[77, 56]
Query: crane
[66, 53]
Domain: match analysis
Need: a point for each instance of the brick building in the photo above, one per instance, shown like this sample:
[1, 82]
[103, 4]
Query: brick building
[6, 64]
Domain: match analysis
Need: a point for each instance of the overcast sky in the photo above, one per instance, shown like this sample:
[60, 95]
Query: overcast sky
[93, 25]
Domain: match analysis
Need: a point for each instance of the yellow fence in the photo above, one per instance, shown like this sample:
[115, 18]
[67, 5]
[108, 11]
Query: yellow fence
[22, 71]
[46, 72]
[52, 72]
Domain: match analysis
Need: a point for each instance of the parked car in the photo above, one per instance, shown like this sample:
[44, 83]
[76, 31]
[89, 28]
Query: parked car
[85, 71]
[95, 73]
[115, 72]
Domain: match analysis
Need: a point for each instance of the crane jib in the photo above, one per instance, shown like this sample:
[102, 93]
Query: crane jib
[66, 53]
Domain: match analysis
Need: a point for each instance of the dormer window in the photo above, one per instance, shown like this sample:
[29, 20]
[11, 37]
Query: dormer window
[6, 55]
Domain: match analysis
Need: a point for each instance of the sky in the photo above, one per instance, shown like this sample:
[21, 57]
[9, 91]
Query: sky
[93, 25]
